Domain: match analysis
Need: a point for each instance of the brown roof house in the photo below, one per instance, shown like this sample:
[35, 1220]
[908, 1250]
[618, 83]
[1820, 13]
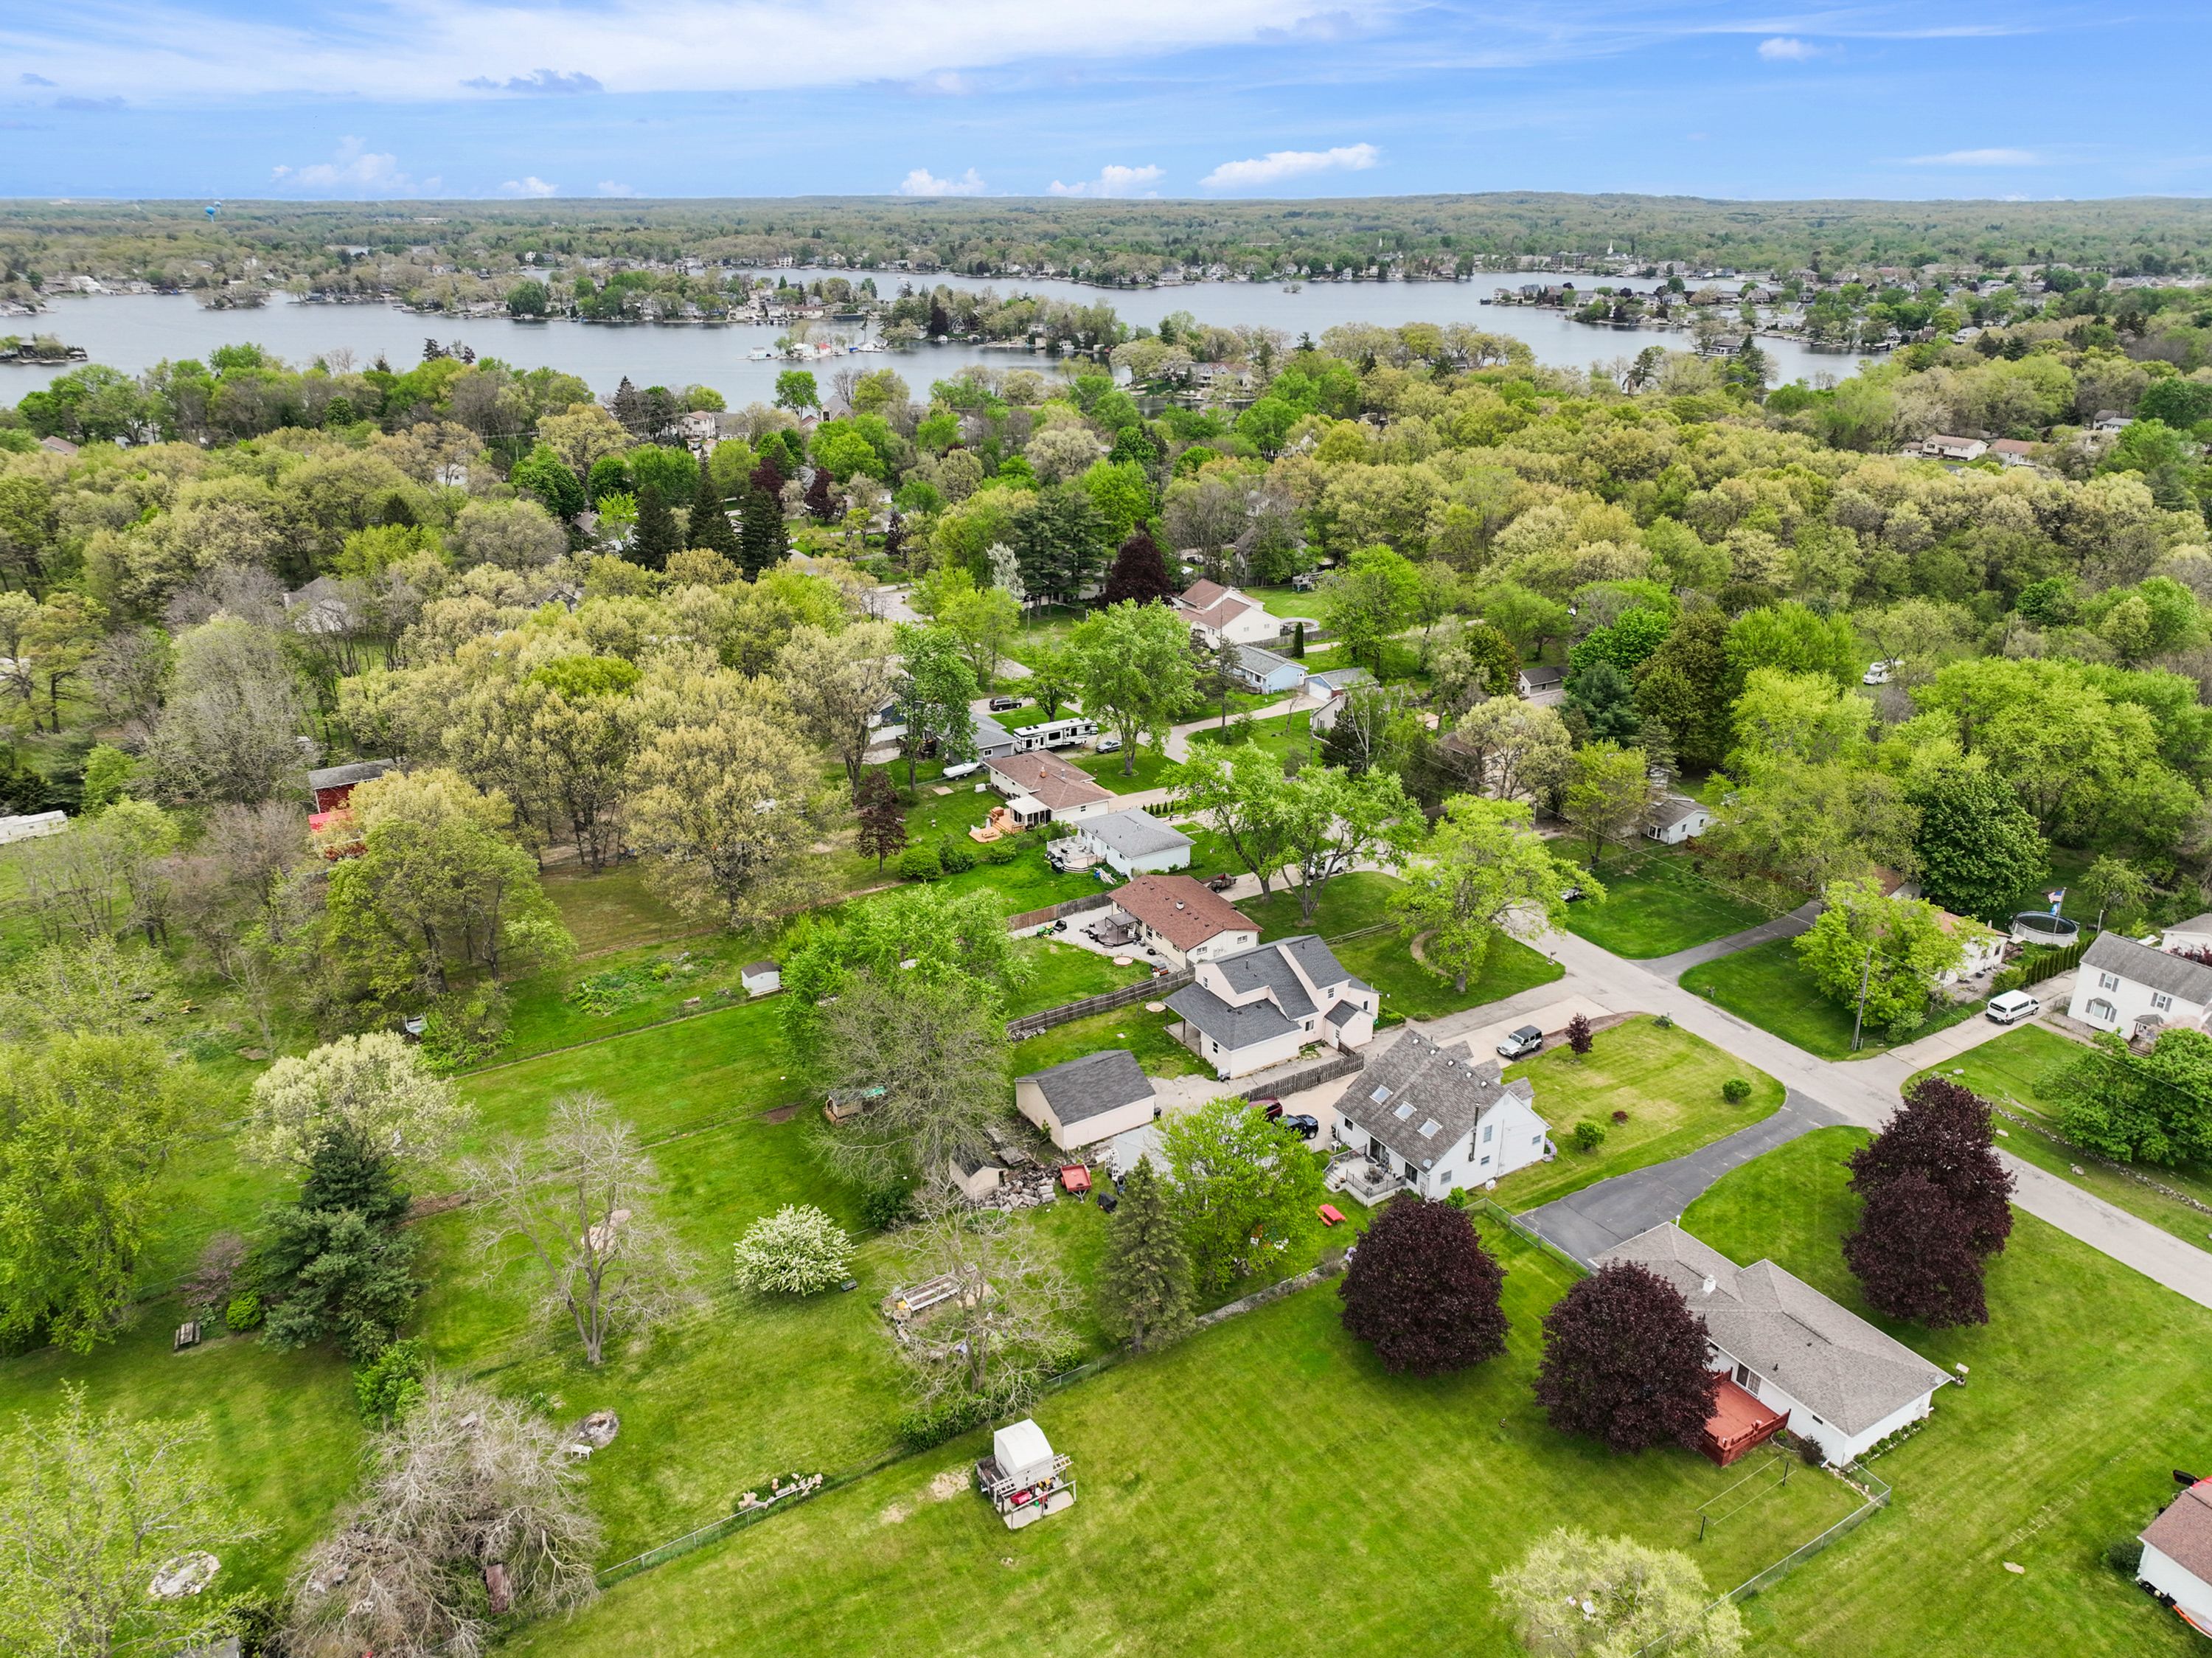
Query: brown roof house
[1833, 1377]
[1183, 920]
[1087, 1100]
[1042, 788]
[1215, 613]
[2176, 1556]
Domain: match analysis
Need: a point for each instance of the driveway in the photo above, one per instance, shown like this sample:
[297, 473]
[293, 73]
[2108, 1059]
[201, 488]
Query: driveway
[1597, 1217]
[1788, 926]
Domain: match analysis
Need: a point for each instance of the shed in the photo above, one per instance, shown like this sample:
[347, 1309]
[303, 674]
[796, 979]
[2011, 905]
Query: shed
[1675, 818]
[977, 1177]
[759, 978]
[1088, 1099]
[1266, 671]
[333, 785]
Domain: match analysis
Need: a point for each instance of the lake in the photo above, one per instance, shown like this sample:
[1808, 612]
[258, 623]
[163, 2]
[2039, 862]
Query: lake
[135, 331]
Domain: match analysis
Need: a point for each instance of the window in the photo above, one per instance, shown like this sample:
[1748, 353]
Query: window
[2101, 1012]
[2108, 981]
[1746, 1380]
[1308, 1024]
[1488, 1130]
[2162, 1001]
[1486, 1162]
[1380, 1096]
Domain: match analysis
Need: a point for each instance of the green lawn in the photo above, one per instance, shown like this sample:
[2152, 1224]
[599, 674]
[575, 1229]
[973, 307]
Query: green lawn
[2087, 1388]
[1655, 905]
[1145, 1034]
[1280, 734]
[1768, 986]
[1668, 1080]
[613, 909]
[1384, 960]
[2013, 1072]
[1106, 768]
[1268, 1453]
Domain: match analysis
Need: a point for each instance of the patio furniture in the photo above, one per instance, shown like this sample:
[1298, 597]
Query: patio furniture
[1331, 1214]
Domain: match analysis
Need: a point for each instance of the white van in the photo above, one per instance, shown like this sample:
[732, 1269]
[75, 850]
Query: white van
[2013, 1007]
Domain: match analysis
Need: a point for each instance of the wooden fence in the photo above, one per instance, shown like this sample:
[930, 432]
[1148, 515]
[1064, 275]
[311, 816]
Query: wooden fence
[1148, 989]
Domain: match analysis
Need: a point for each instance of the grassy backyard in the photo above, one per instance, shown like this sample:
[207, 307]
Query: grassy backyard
[2014, 1071]
[1410, 989]
[1668, 1080]
[1769, 986]
[1106, 768]
[1655, 905]
[1273, 1442]
[1280, 734]
[2062, 1444]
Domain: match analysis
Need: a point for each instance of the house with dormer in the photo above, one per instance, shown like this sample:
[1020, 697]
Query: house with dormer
[1429, 1119]
[1214, 613]
[1260, 1007]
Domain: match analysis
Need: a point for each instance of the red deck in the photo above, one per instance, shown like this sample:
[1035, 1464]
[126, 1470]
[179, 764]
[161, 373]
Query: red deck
[1739, 1424]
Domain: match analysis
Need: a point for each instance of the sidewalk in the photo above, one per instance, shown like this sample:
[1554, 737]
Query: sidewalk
[1788, 926]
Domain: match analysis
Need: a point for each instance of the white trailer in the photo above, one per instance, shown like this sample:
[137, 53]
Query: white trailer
[1024, 1477]
[1055, 733]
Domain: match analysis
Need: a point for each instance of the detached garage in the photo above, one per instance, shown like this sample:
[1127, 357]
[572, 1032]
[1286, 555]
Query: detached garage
[1088, 1100]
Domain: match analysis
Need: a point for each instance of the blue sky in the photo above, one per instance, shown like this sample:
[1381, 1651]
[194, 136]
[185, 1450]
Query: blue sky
[1228, 98]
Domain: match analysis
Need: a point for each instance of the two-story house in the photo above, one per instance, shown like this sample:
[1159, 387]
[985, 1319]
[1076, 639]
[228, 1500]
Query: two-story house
[2128, 987]
[1259, 1007]
[1214, 613]
[1427, 1119]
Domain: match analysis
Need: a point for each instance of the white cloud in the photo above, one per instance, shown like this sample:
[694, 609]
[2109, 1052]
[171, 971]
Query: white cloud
[609, 187]
[1280, 164]
[1980, 158]
[922, 182]
[529, 184]
[1114, 181]
[356, 170]
[1786, 49]
[407, 50]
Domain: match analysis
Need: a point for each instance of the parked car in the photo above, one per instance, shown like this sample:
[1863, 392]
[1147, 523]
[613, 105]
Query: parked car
[1108, 743]
[1304, 1126]
[1000, 704]
[1521, 1043]
[1268, 1103]
[2013, 1007]
[1879, 672]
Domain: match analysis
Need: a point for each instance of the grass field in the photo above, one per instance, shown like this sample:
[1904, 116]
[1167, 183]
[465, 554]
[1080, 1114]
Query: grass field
[2014, 1071]
[1105, 770]
[1252, 1490]
[1654, 905]
[1410, 990]
[2085, 1389]
[1280, 734]
[613, 909]
[1668, 1080]
[1768, 986]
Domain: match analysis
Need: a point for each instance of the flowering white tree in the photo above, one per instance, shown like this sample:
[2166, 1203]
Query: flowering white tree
[374, 1087]
[797, 1251]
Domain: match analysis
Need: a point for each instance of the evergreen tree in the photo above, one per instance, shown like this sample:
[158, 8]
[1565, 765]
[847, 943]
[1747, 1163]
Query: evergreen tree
[628, 406]
[1601, 694]
[883, 820]
[335, 1264]
[654, 539]
[710, 525]
[1423, 1291]
[1144, 1292]
[1139, 573]
[940, 322]
[762, 543]
[1298, 641]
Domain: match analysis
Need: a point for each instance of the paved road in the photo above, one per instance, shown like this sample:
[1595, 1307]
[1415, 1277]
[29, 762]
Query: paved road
[1788, 926]
[1599, 1217]
[1866, 1091]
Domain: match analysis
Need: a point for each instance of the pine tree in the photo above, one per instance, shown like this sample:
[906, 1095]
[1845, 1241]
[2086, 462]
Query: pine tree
[1299, 642]
[762, 543]
[883, 820]
[1144, 1293]
[710, 525]
[628, 406]
[654, 537]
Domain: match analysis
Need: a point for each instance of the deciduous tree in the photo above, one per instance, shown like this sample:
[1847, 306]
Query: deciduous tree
[1136, 668]
[1246, 1191]
[936, 1047]
[1976, 847]
[1573, 1595]
[373, 1089]
[1891, 952]
[797, 1251]
[1423, 1291]
[1624, 1361]
[1238, 789]
[1331, 822]
[1483, 871]
[1608, 790]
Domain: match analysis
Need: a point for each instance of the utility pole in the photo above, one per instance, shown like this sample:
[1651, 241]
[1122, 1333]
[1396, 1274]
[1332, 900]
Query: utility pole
[1858, 1020]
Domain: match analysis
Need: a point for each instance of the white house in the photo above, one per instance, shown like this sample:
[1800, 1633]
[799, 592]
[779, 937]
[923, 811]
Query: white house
[1984, 946]
[2194, 934]
[1432, 1118]
[1545, 686]
[1087, 1100]
[1042, 788]
[2130, 988]
[2176, 1556]
[1939, 447]
[1215, 613]
[1830, 1375]
[1185, 920]
[1267, 672]
[1330, 689]
[1675, 818]
[1134, 842]
[1260, 1007]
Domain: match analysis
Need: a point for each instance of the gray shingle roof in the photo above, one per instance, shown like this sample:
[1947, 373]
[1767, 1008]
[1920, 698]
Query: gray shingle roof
[1671, 809]
[1233, 1027]
[1262, 663]
[1266, 968]
[335, 776]
[2194, 924]
[1136, 833]
[2189, 980]
[1826, 1356]
[1092, 1085]
[1340, 679]
[1419, 1084]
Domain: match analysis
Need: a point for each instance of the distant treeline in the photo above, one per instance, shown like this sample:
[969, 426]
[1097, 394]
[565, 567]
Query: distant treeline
[177, 244]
